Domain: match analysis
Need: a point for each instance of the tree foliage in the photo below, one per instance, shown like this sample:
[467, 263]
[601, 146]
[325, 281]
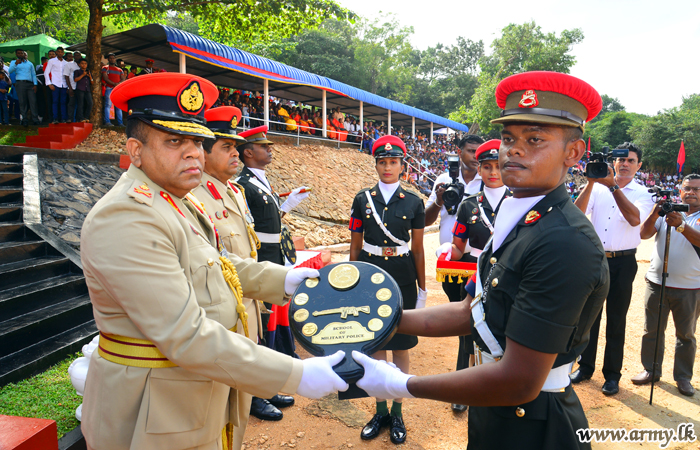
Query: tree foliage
[520, 48]
[612, 130]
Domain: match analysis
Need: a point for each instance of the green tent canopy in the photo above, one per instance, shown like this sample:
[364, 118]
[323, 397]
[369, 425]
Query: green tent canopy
[35, 46]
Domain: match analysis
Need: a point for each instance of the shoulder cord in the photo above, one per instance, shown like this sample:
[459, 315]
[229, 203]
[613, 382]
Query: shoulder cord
[227, 268]
[379, 221]
[484, 218]
[252, 237]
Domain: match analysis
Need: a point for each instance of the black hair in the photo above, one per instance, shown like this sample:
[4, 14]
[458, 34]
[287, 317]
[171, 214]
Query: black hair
[44, 58]
[471, 139]
[137, 129]
[60, 48]
[19, 50]
[633, 148]
[110, 54]
[573, 133]
[242, 148]
[208, 144]
[692, 176]
[81, 60]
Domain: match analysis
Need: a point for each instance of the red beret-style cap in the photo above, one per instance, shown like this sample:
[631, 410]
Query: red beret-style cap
[389, 147]
[547, 97]
[223, 122]
[149, 60]
[170, 101]
[257, 135]
[488, 150]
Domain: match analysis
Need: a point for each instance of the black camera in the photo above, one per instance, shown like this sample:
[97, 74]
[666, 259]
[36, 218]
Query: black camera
[663, 198]
[454, 192]
[597, 166]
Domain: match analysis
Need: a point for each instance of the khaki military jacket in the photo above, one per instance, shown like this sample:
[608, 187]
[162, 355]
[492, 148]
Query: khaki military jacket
[153, 273]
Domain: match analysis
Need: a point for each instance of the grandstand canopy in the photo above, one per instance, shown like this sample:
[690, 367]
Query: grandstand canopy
[229, 67]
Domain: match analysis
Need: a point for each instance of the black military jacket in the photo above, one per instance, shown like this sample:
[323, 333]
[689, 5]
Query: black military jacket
[404, 211]
[266, 213]
[470, 225]
[546, 283]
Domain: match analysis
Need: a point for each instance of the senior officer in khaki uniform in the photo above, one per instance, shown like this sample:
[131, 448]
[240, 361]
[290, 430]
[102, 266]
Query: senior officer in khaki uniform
[225, 203]
[167, 369]
[541, 282]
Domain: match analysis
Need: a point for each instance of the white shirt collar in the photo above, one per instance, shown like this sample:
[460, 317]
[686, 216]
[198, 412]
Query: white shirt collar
[494, 195]
[388, 190]
[512, 210]
[260, 173]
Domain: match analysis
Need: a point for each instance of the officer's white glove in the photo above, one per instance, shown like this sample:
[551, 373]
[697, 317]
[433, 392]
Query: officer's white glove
[318, 378]
[445, 248]
[294, 199]
[296, 276]
[422, 297]
[381, 380]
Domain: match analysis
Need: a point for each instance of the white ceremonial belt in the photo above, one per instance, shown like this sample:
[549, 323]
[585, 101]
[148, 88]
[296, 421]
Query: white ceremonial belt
[268, 238]
[475, 252]
[557, 379]
[384, 251]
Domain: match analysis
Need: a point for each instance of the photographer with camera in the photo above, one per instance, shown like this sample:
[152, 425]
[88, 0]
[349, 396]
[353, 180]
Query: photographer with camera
[682, 288]
[616, 204]
[462, 175]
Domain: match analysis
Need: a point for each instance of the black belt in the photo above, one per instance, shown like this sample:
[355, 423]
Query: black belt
[24, 81]
[620, 253]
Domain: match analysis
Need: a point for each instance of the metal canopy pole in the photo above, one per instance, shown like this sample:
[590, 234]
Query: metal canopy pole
[325, 114]
[266, 100]
[413, 127]
[183, 63]
[362, 114]
[389, 121]
[431, 133]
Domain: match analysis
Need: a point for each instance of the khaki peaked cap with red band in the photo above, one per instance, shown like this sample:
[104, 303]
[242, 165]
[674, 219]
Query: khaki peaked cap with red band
[547, 97]
[257, 135]
[171, 102]
[488, 150]
[389, 147]
[222, 121]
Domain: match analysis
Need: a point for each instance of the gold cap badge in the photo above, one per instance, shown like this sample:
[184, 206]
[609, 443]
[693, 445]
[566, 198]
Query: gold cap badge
[191, 98]
[529, 99]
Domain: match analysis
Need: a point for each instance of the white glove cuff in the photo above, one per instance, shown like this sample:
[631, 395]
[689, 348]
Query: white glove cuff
[286, 207]
[397, 385]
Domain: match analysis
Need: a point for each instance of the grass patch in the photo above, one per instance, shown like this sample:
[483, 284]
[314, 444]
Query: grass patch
[11, 135]
[48, 395]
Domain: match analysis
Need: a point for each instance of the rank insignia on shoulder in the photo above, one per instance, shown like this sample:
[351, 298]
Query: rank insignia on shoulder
[142, 191]
[532, 216]
[401, 195]
[374, 193]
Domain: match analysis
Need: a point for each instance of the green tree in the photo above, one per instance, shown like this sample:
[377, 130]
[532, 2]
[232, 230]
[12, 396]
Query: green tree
[521, 48]
[612, 130]
[660, 136]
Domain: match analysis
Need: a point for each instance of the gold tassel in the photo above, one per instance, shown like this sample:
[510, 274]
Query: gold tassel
[231, 277]
[227, 436]
[442, 274]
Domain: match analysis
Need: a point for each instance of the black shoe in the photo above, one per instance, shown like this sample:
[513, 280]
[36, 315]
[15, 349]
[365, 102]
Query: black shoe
[644, 377]
[456, 407]
[610, 387]
[398, 430]
[263, 410]
[579, 376]
[282, 401]
[374, 426]
[685, 388]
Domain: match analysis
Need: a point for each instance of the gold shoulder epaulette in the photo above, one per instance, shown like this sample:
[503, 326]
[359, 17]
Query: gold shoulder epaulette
[140, 192]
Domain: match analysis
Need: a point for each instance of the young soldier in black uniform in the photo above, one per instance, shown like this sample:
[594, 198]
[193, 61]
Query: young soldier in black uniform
[540, 285]
[267, 211]
[382, 221]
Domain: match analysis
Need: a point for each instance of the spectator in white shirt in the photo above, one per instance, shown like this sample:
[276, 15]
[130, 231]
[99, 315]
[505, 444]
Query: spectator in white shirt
[69, 68]
[617, 205]
[59, 88]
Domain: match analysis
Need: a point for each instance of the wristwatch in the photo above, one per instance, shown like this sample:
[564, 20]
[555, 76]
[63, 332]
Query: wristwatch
[680, 228]
[614, 188]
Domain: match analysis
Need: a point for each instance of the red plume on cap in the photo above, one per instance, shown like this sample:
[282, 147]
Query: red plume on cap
[493, 144]
[557, 82]
[389, 147]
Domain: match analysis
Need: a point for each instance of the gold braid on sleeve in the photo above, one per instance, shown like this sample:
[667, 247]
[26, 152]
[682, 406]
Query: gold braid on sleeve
[231, 277]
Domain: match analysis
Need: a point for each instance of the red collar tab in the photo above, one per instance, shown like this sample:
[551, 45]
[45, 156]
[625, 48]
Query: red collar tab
[213, 190]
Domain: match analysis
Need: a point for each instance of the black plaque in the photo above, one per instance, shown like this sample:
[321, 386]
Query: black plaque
[351, 306]
[287, 245]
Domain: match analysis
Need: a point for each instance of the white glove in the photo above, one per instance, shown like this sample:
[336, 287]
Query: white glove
[294, 199]
[422, 297]
[318, 378]
[381, 380]
[296, 276]
[445, 248]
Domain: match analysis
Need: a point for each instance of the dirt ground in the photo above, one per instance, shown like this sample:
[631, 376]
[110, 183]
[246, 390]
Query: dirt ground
[332, 424]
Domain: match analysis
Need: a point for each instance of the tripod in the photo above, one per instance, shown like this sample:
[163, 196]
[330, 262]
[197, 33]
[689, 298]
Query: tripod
[664, 275]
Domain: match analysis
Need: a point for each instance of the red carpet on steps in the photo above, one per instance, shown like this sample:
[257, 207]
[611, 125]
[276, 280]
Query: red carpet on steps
[60, 136]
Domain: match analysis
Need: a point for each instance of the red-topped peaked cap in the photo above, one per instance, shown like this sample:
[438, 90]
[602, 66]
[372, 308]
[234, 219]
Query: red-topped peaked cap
[222, 121]
[547, 97]
[257, 135]
[172, 102]
[488, 150]
[389, 147]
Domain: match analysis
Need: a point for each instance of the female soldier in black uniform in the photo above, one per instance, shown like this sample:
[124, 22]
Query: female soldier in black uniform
[383, 219]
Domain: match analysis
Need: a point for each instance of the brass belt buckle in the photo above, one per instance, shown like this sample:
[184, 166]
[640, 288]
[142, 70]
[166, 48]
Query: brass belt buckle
[389, 251]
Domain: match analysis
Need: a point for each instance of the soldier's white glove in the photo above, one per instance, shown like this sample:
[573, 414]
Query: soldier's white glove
[318, 378]
[445, 248]
[381, 380]
[422, 297]
[296, 276]
[294, 199]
